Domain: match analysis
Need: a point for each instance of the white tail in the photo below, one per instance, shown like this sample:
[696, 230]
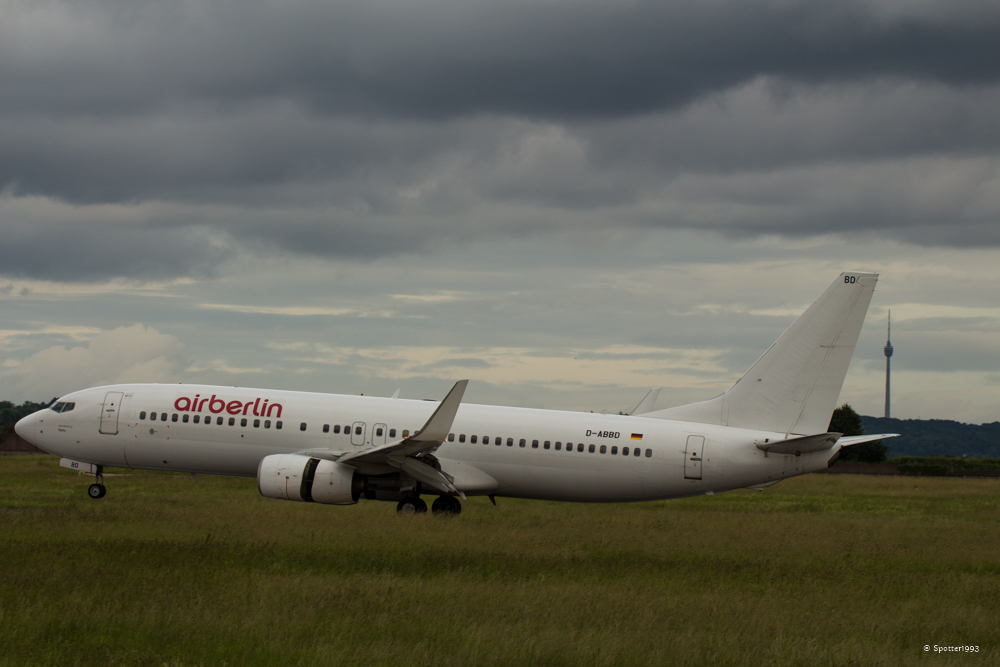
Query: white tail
[793, 388]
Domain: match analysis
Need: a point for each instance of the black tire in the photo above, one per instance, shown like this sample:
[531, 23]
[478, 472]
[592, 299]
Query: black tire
[96, 491]
[446, 505]
[411, 505]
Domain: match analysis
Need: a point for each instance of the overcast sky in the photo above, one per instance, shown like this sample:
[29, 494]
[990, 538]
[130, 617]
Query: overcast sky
[567, 202]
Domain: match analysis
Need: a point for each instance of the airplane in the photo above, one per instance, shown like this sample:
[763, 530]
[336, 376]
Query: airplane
[335, 449]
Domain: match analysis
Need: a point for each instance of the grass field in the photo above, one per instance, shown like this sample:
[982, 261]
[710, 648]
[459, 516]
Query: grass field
[818, 570]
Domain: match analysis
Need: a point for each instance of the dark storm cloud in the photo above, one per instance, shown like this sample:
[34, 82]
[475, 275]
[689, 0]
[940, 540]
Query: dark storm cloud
[450, 57]
[363, 129]
[99, 251]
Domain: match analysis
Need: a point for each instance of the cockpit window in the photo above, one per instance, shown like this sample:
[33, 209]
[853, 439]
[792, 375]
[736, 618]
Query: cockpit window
[63, 407]
[58, 407]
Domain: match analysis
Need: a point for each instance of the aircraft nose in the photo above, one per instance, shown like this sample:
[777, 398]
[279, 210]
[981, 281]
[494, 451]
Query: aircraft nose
[26, 428]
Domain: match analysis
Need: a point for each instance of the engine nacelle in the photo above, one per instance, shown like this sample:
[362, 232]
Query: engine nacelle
[297, 477]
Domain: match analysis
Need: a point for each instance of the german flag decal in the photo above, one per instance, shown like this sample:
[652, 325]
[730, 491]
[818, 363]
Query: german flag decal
[637, 436]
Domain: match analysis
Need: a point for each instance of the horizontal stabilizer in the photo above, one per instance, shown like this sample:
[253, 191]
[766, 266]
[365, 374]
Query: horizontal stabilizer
[804, 445]
[858, 439]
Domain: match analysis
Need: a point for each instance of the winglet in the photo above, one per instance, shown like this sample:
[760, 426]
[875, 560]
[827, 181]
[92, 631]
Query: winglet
[647, 403]
[439, 425]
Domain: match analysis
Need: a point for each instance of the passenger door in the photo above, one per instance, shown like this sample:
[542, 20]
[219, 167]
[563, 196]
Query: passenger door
[694, 456]
[110, 412]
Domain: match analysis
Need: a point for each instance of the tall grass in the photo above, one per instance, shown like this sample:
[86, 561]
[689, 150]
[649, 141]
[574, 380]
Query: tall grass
[819, 570]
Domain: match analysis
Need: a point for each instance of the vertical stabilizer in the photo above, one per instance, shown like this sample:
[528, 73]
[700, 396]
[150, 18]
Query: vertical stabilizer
[793, 388]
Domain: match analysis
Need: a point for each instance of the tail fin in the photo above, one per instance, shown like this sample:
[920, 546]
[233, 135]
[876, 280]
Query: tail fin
[793, 388]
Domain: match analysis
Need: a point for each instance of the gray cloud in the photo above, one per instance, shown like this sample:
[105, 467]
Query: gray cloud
[448, 58]
[162, 139]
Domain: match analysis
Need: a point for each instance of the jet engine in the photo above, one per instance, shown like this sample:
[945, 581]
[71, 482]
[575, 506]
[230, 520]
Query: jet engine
[311, 480]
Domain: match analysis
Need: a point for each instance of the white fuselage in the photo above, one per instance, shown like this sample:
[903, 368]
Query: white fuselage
[673, 461]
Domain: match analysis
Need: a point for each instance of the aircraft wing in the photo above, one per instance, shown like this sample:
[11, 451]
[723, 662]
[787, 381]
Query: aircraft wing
[647, 403]
[403, 454]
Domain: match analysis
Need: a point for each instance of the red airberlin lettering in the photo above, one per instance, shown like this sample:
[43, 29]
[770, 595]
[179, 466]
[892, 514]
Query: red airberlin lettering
[217, 405]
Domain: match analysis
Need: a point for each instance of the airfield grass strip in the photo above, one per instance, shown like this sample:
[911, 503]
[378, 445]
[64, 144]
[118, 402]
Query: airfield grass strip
[818, 570]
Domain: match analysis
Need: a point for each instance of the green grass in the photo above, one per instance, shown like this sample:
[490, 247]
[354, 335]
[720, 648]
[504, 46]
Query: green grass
[818, 570]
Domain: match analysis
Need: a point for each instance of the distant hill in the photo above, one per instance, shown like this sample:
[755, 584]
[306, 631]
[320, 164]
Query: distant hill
[937, 437]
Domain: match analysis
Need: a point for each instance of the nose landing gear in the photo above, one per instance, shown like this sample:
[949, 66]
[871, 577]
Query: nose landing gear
[97, 490]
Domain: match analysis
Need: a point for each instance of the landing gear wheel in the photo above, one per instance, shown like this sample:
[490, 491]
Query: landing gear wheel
[96, 491]
[446, 505]
[411, 505]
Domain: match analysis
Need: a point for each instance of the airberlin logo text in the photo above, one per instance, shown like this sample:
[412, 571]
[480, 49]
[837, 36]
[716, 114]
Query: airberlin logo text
[217, 405]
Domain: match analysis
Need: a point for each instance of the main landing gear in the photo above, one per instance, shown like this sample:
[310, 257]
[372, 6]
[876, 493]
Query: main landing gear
[97, 490]
[411, 505]
[446, 505]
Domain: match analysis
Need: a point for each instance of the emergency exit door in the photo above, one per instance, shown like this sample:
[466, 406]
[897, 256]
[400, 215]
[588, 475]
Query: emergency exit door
[109, 413]
[693, 456]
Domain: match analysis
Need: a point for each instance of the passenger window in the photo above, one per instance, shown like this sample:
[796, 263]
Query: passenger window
[534, 444]
[635, 452]
[218, 421]
[604, 449]
[392, 433]
[451, 437]
[173, 417]
[579, 447]
[406, 433]
[591, 449]
[232, 421]
[558, 446]
[649, 453]
[197, 419]
[185, 418]
[277, 424]
[302, 426]
[243, 422]
[472, 439]
[378, 431]
[521, 443]
[326, 428]
[142, 415]
[256, 423]
[163, 416]
[614, 450]
[486, 439]
[546, 445]
[461, 438]
[267, 423]
[357, 429]
[152, 416]
[336, 428]
[569, 446]
[510, 442]
[624, 451]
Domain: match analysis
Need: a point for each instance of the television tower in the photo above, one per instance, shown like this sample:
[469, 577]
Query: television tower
[888, 356]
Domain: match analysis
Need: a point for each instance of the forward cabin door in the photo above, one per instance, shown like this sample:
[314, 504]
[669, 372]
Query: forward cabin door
[694, 456]
[110, 411]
